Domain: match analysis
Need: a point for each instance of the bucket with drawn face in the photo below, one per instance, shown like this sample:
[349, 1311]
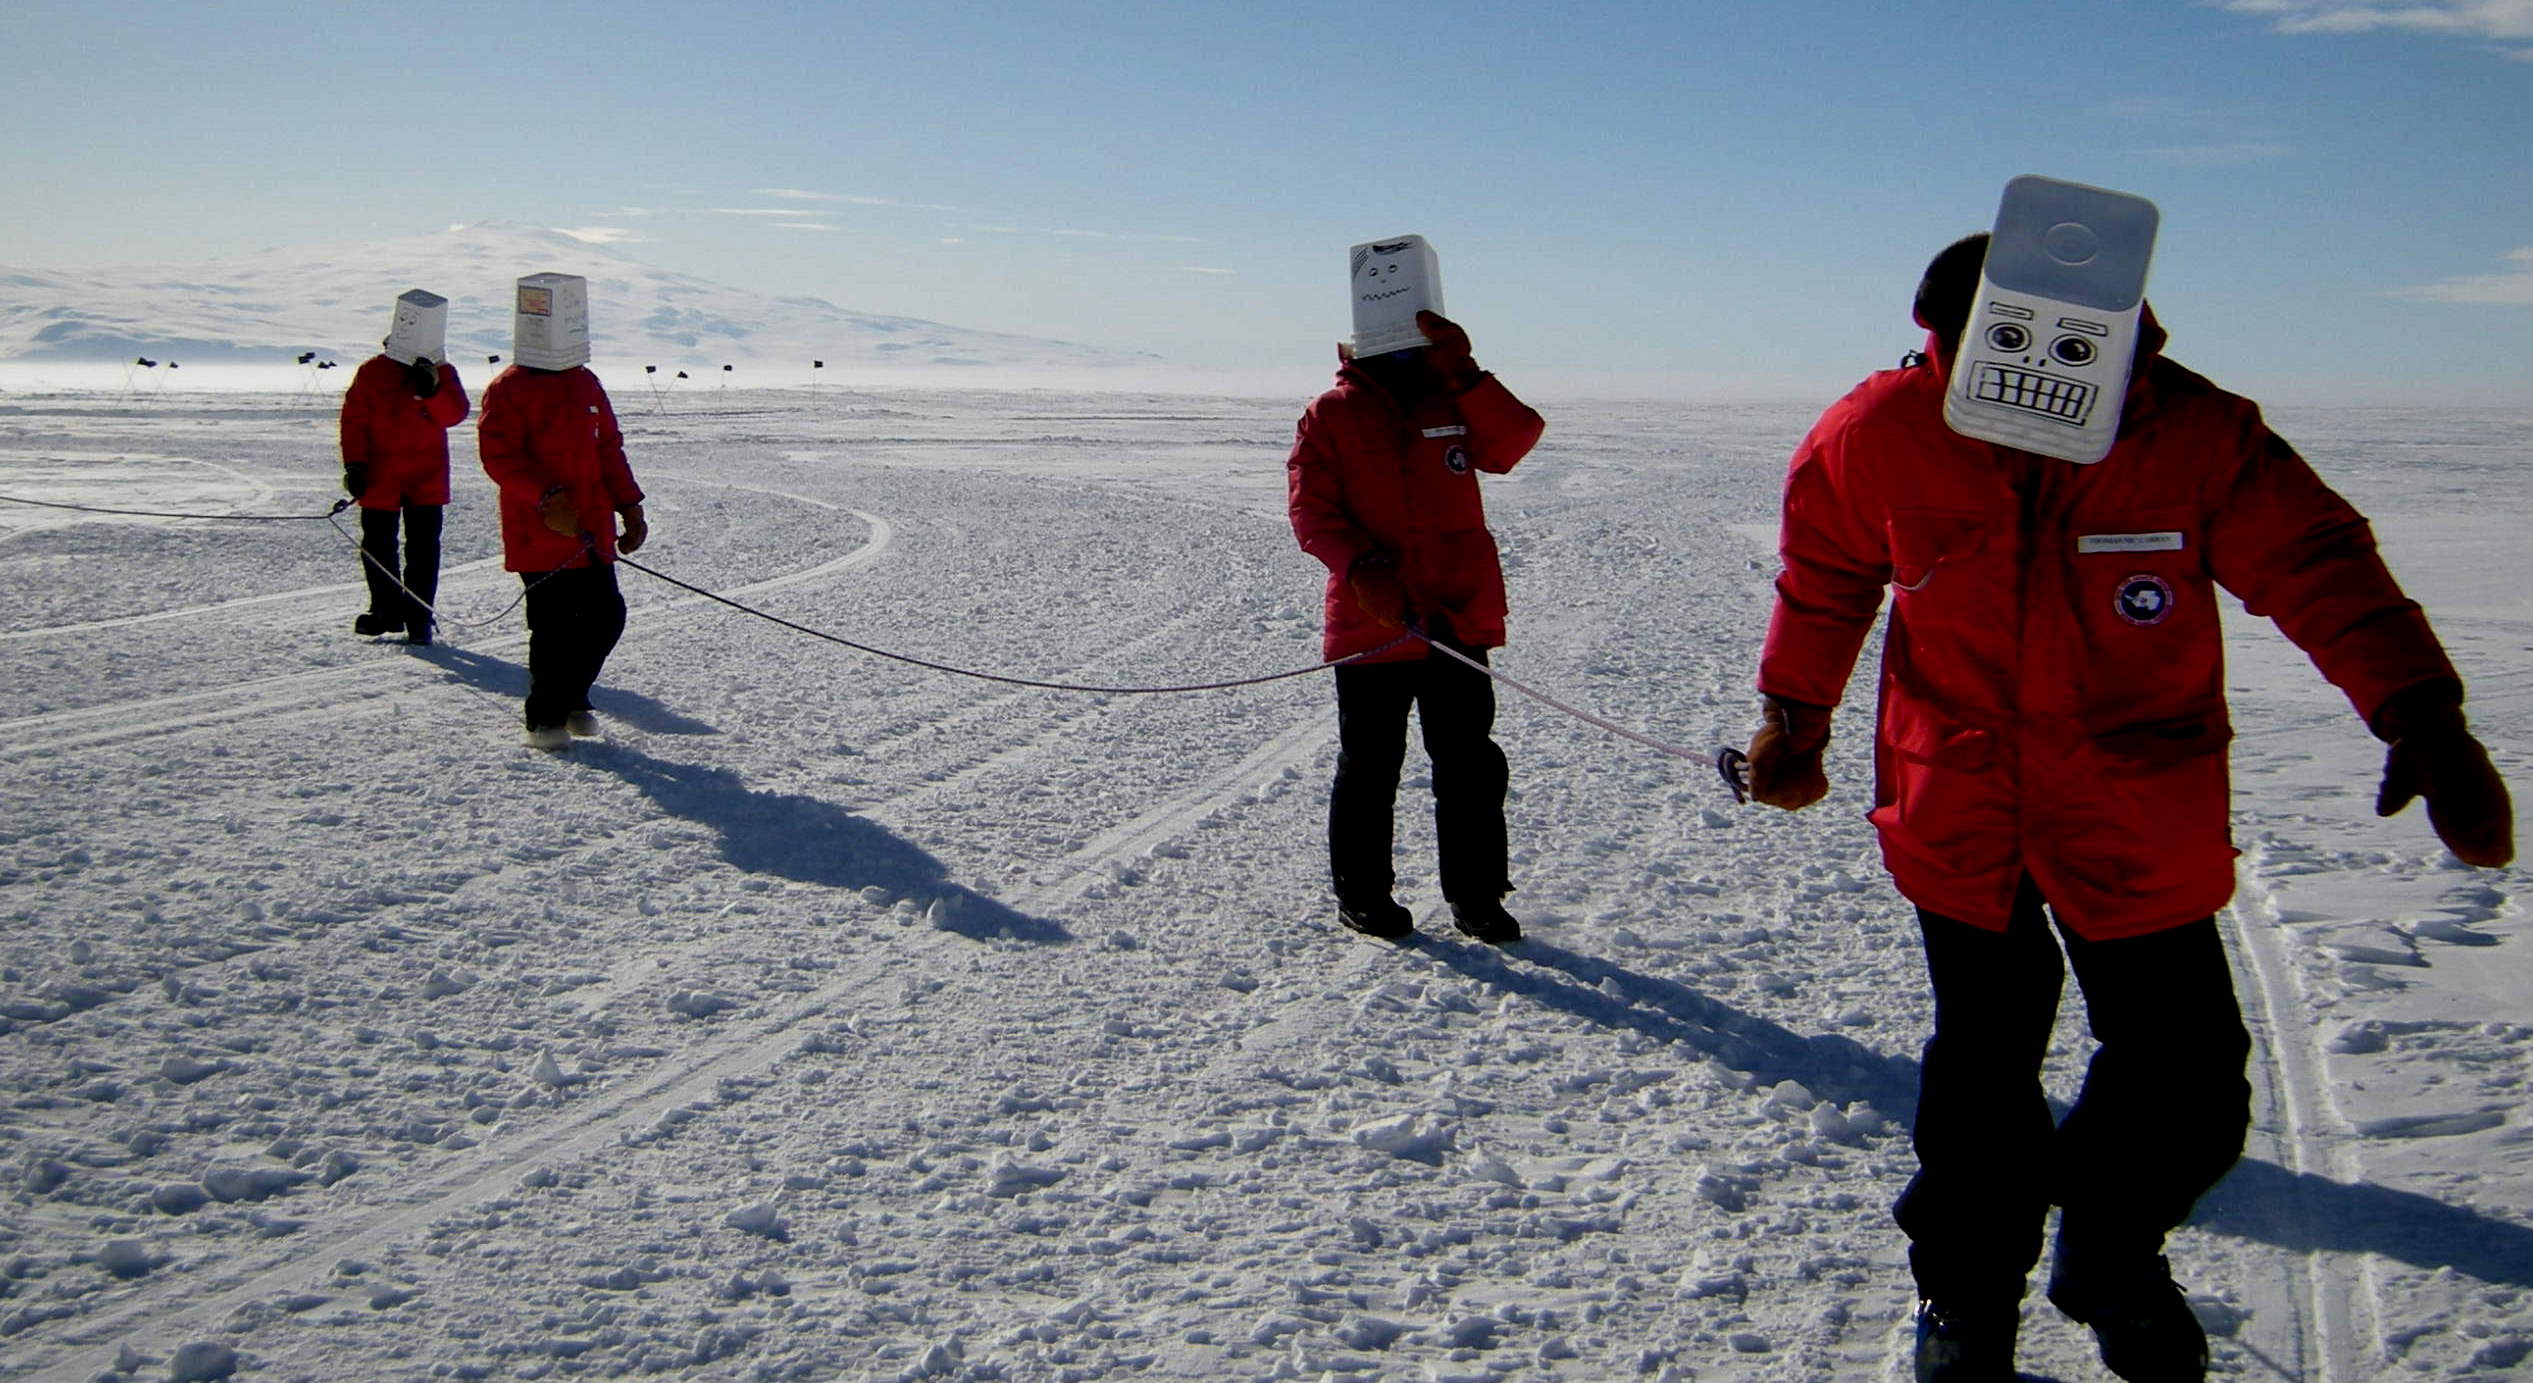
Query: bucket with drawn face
[2045, 355]
[419, 330]
[1392, 281]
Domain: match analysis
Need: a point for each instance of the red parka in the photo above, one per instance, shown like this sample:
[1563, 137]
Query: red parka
[2053, 689]
[1370, 474]
[547, 428]
[403, 439]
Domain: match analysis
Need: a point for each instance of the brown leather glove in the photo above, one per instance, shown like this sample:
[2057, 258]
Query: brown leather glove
[1373, 580]
[1447, 351]
[637, 530]
[559, 513]
[1785, 755]
[2433, 755]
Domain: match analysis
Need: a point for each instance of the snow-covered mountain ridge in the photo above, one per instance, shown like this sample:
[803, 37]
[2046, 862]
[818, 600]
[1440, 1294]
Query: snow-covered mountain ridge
[334, 299]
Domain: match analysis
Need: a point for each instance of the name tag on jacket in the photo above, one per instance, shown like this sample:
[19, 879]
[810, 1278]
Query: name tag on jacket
[2128, 542]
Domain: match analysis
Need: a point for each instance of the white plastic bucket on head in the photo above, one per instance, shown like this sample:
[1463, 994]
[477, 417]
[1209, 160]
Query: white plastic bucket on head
[420, 329]
[2045, 355]
[1392, 280]
[550, 325]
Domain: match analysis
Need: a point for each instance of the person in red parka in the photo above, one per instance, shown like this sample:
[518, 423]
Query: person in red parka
[1382, 486]
[550, 442]
[396, 421]
[2051, 747]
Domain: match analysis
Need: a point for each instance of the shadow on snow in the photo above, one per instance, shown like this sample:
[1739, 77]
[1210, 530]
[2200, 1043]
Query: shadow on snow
[1830, 1066]
[2257, 1201]
[2305, 1213]
[810, 841]
[504, 678]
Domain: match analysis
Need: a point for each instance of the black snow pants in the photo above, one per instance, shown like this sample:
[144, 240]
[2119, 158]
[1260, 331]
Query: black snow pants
[421, 570]
[575, 617]
[1455, 704]
[2160, 1118]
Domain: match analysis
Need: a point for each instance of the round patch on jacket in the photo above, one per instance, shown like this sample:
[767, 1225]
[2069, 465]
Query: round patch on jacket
[2144, 599]
[1457, 458]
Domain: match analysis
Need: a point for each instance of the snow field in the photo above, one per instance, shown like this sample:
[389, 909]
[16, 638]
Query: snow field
[836, 1019]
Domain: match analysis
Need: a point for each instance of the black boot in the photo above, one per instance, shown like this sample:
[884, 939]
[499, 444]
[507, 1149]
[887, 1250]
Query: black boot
[1486, 921]
[2141, 1321]
[1380, 917]
[376, 624]
[1966, 1346]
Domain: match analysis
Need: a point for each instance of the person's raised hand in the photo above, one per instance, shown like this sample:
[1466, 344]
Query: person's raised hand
[1447, 350]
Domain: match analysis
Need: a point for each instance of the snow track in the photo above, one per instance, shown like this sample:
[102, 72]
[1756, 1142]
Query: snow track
[164, 1313]
[302, 696]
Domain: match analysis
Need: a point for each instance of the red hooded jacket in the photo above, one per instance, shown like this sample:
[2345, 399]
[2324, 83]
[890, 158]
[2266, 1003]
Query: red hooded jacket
[544, 429]
[1370, 475]
[2053, 691]
[402, 439]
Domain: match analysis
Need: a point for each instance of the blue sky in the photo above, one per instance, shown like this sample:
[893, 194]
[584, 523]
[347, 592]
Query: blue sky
[1700, 199]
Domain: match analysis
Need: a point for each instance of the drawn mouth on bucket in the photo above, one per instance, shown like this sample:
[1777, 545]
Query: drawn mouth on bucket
[2063, 400]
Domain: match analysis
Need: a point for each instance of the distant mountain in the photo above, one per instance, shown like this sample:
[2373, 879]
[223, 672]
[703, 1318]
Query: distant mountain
[335, 300]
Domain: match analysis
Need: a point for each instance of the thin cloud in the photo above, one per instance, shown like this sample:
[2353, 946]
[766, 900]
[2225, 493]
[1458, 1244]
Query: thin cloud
[752, 211]
[1202, 269]
[2197, 134]
[2214, 155]
[2499, 20]
[802, 225]
[1071, 233]
[600, 235]
[797, 194]
[2510, 288]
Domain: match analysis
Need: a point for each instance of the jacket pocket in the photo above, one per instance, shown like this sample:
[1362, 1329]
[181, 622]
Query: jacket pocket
[1924, 541]
[2149, 746]
[1922, 734]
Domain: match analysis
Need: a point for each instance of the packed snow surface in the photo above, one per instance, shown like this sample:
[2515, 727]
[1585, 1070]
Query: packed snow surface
[832, 1018]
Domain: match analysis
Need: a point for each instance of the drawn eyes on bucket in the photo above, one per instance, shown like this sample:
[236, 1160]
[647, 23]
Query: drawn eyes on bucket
[2013, 338]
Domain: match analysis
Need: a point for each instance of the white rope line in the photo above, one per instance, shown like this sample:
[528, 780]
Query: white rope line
[1648, 741]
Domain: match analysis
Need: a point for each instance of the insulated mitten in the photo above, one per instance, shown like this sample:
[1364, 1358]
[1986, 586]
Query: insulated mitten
[557, 510]
[637, 530]
[423, 378]
[355, 479]
[2432, 755]
[1447, 350]
[1374, 581]
[1785, 755]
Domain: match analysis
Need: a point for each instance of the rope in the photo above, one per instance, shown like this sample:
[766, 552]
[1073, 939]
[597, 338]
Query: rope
[1660, 746]
[1723, 762]
[339, 506]
[1015, 681]
[587, 543]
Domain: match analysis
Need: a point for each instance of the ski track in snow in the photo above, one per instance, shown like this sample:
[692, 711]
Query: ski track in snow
[837, 1019]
